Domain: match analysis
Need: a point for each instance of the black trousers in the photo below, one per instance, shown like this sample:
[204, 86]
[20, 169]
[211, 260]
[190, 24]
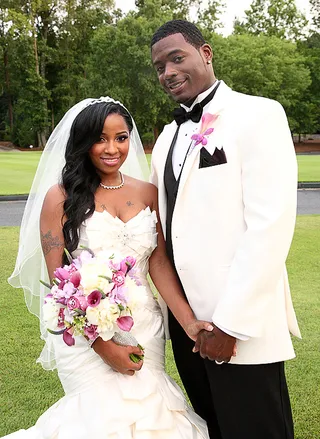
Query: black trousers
[237, 401]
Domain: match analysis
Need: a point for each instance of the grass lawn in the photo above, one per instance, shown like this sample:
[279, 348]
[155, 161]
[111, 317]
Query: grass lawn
[27, 390]
[309, 167]
[17, 170]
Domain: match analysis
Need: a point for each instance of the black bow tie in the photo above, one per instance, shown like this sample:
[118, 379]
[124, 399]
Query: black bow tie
[181, 115]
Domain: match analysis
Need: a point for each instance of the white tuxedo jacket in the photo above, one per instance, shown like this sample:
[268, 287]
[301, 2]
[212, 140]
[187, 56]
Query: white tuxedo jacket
[233, 224]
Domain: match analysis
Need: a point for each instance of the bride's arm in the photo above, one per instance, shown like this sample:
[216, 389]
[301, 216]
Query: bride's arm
[51, 223]
[166, 282]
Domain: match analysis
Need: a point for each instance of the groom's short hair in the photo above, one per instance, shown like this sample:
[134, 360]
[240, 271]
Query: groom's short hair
[189, 31]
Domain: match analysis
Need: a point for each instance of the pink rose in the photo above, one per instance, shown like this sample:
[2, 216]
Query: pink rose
[83, 304]
[73, 303]
[118, 278]
[91, 332]
[61, 318]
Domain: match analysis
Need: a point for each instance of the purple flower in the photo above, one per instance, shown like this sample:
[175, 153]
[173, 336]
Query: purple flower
[127, 263]
[135, 277]
[94, 298]
[68, 289]
[206, 129]
[91, 332]
[118, 296]
[62, 301]
[85, 256]
[115, 266]
[68, 337]
[125, 323]
[123, 266]
[118, 278]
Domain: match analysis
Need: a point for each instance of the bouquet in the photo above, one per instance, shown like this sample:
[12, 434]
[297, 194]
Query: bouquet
[93, 296]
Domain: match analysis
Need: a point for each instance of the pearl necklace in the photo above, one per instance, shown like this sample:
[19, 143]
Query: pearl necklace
[114, 187]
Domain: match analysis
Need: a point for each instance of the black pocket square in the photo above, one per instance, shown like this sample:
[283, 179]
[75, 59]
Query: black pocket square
[207, 160]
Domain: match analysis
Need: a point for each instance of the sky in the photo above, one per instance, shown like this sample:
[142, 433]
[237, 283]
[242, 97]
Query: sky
[234, 8]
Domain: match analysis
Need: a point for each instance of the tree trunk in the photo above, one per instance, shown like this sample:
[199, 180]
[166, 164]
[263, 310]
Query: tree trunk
[155, 133]
[7, 81]
[36, 58]
[42, 140]
[52, 119]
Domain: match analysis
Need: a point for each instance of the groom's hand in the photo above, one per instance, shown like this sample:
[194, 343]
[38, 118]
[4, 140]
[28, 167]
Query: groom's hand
[215, 345]
[117, 357]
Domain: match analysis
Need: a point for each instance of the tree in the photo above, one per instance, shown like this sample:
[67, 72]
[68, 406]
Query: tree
[175, 9]
[264, 66]
[67, 69]
[11, 22]
[315, 11]
[119, 65]
[208, 18]
[44, 44]
[308, 110]
[279, 18]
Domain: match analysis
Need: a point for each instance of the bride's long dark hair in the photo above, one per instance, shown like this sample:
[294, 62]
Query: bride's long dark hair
[79, 177]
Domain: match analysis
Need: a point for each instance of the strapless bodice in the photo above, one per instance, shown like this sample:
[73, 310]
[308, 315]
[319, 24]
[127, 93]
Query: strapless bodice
[136, 237]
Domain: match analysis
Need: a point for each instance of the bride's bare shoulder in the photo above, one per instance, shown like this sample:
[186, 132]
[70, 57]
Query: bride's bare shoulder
[54, 198]
[141, 185]
[147, 191]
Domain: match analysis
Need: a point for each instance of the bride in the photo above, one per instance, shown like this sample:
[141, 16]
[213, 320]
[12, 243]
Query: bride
[89, 191]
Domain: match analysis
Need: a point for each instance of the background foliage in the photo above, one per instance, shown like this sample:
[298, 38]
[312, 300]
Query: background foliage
[56, 52]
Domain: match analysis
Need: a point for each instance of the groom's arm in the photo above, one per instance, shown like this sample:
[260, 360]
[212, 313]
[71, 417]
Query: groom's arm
[269, 186]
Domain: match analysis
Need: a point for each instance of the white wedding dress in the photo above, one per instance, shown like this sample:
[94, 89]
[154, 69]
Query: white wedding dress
[100, 403]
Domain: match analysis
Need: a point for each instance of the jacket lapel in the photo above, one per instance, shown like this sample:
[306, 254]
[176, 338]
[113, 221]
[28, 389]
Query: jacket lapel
[162, 196]
[216, 106]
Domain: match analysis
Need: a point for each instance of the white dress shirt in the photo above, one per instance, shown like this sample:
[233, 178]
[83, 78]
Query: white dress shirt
[187, 129]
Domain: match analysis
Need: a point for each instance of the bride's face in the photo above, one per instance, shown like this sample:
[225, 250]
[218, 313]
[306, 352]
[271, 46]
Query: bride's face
[109, 153]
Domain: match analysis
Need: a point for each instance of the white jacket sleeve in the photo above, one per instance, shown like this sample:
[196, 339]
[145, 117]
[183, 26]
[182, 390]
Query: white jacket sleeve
[269, 185]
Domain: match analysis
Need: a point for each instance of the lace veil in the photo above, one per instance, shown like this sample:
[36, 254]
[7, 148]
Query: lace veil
[30, 264]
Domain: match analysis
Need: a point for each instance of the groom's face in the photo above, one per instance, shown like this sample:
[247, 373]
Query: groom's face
[182, 69]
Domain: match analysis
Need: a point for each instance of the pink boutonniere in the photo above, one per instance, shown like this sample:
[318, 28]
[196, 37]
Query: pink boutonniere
[205, 130]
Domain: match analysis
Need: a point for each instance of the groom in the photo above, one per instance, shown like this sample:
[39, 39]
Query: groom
[227, 198]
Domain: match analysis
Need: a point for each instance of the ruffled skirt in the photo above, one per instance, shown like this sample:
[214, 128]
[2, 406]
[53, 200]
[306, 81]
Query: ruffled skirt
[103, 404]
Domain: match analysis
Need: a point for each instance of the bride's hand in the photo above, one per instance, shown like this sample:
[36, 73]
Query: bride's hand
[117, 356]
[193, 328]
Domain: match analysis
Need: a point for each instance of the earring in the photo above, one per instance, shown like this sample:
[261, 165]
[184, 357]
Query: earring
[208, 62]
